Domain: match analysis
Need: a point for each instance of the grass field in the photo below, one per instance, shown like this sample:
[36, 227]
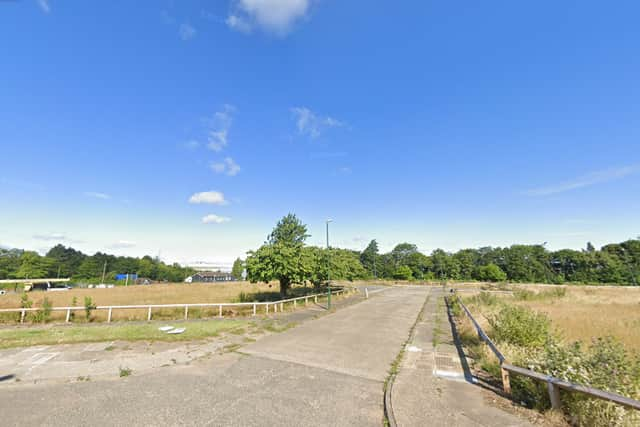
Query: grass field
[579, 312]
[172, 293]
[152, 294]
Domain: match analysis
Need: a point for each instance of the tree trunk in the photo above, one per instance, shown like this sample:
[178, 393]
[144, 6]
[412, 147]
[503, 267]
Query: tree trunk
[284, 287]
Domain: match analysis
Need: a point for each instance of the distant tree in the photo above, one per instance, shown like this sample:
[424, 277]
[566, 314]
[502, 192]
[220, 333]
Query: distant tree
[402, 252]
[237, 269]
[33, 266]
[370, 258]
[590, 247]
[281, 258]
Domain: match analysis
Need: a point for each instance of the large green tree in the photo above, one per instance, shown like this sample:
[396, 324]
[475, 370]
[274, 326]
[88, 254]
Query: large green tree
[281, 257]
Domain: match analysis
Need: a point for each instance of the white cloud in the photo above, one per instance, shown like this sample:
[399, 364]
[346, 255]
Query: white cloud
[44, 5]
[186, 32]
[220, 125]
[122, 244]
[50, 236]
[273, 16]
[97, 195]
[238, 23]
[214, 219]
[586, 181]
[311, 124]
[228, 166]
[208, 197]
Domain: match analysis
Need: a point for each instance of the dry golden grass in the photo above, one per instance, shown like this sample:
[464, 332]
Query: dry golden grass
[172, 293]
[585, 312]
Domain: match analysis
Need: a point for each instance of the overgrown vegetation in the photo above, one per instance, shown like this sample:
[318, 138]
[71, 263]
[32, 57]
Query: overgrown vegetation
[528, 339]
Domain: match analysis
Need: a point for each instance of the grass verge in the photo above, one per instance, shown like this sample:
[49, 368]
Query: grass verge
[24, 337]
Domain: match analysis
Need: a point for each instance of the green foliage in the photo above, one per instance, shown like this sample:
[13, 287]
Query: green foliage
[521, 326]
[605, 365]
[491, 273]
[25, 302]
[370, 258]
[403, 272]
[525, 295]
[89, 306]
[125, 372]
[237, 269]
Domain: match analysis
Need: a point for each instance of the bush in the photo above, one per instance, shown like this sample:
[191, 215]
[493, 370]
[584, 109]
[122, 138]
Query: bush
[521, 326]
[89, 306]
[605, 365]
[403, 273]
[44, 314]
[491, 273]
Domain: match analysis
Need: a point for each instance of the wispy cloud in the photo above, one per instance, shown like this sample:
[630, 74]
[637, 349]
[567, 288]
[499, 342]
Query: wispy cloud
[272, 16]
[228, 167]
[97, 195]
[219, 128]
[215, 219]
[238, 23]
[187, 32]
[50, 236]
[208, 197]
[191, 144]
[312, 124]
[44, 5]
[122, 244]
[587, 180]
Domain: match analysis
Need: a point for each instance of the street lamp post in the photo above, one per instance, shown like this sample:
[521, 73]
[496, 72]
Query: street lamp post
[328, 268]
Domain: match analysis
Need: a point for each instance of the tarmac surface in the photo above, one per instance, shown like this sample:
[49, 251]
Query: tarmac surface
[327, 371]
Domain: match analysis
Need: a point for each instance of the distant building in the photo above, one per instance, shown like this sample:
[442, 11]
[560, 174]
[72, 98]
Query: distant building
[210, 276]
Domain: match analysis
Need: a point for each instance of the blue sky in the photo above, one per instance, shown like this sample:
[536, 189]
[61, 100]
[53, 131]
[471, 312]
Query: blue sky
[188, 128]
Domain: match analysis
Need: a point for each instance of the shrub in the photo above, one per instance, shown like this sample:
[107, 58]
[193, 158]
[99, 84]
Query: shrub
[89, 306]
[403, 273]
[521, 326]
[44, 314]
[491, 273]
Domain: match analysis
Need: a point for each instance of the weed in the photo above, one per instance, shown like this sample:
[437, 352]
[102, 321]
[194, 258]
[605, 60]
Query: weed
[125, 372]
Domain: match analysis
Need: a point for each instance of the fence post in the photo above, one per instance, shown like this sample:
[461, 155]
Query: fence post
[22, 314]
[186, 312]
[267, 308]
[68, 315]
[149, 314]
[554, 395]
[220, 310]
[315, 297]
[294, 304]
[281, 307]
[109, 315]
[306, 301]
[366, 293]
[506, 383]
[254, 309]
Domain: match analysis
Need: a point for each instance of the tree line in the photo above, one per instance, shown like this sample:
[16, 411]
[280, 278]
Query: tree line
[285, 257]
[61, 261]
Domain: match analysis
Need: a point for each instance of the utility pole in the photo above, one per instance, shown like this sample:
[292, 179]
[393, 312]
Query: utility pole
[328, 268]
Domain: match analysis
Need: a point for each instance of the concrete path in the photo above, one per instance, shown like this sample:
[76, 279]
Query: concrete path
[431, 383]
[327, 371]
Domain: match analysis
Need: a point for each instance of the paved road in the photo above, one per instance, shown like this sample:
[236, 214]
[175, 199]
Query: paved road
[327, 371]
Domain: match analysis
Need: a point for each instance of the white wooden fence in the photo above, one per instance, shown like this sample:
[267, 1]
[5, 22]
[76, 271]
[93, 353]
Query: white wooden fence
[272, 306]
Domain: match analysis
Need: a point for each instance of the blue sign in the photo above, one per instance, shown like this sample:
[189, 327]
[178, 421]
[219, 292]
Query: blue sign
[124, 276]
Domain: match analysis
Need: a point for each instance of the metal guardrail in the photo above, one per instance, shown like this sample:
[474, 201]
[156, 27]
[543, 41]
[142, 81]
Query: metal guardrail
[274, 306]
[554, 385]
